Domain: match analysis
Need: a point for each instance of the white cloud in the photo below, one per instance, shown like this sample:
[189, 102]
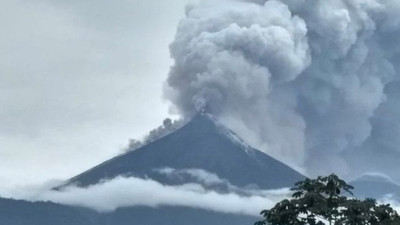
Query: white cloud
[201, 176]
[124, 192]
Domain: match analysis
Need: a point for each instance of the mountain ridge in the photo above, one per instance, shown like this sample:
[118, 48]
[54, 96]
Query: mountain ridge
[202, 143]
[376, 186]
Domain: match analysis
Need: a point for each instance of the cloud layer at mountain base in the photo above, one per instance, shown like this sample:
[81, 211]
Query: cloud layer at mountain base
[121, 191]
[204, 190]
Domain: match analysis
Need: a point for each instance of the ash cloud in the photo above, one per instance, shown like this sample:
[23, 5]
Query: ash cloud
[168, 127]
[313, 83]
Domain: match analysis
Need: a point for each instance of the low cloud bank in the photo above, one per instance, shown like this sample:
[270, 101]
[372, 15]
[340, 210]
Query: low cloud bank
[131, 191]
[121, 192]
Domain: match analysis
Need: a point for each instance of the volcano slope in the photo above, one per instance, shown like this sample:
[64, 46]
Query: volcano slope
[203, 143]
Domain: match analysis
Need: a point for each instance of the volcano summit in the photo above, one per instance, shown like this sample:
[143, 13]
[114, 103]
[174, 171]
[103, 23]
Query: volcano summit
[203, 143]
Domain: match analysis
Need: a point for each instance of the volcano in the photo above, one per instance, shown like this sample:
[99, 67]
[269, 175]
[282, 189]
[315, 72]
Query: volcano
[202, 143]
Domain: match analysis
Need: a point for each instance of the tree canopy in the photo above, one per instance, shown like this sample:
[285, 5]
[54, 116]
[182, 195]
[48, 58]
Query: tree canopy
[328, 200]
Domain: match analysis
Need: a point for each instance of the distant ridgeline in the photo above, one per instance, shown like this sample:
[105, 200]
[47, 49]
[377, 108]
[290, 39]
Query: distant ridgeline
[14, 212]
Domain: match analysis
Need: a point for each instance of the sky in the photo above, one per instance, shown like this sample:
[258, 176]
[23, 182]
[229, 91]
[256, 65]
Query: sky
[313, 84]
[78, 79]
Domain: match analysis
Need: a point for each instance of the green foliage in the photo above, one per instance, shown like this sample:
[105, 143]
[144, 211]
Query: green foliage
[324, 201]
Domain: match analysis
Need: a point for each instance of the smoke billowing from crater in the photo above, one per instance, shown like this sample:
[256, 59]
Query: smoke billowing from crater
[313, 83]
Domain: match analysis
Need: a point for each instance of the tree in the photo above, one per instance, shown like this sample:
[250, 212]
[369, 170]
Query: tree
[327, 200]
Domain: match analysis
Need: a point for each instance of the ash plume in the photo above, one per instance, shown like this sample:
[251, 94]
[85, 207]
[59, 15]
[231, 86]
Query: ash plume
[313, 83]
[168, 127]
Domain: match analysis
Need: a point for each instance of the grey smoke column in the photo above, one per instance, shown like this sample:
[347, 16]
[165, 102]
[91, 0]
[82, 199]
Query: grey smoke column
[305, 80]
